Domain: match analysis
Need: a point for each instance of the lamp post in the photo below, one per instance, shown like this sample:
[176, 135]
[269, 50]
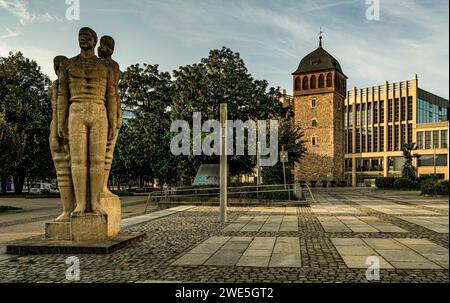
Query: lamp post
[223, 163]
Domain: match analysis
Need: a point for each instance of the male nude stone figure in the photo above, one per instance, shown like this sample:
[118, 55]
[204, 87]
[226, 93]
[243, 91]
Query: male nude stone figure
[60, 151]
[87, 116]
[105, 51]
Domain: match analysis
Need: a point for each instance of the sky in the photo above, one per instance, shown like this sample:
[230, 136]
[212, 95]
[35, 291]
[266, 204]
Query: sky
[272, 36]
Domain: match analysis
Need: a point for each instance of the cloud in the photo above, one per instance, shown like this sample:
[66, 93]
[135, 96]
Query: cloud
[19, 8]
[10, 33]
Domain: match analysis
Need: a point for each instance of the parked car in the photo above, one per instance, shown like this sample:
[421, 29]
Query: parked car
[43, 188]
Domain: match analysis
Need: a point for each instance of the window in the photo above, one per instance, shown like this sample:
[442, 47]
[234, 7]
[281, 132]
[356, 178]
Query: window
[358, 115]
[430, 160]
[364, 115]
[314, 141]
[431, 113]
[381, 138]
[350, 116]
[321, 81]
[314, 123]
[403, 137]
[313, 82]
[305, 82]
[427, 140]
[444, 139]
[420, 142]
[358, 140]
[297, 83]
[313, 103]
[397, 138]
[397, 110]
[381, 111]
[375, 112]
[410, 133]
[329, 80]
[435, 139]
[369, 140]
[390, 110]
[390, 136]
[350, 141]
[369, 114]
[403, 109]
[364, 138]
[375, 139]
[410, 108]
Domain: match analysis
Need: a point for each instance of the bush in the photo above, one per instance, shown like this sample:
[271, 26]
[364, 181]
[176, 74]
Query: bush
[385, 183]
[433, 187]
[405, 183]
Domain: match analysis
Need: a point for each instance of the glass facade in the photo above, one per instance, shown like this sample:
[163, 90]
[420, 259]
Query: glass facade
[429, 160]
[431, 113]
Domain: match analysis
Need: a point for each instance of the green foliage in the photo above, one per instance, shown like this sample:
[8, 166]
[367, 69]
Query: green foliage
[26, 115]
[409, 171]
[432, 186]
[291, 138]
[405, 183]
[143, 147]
[385, 183]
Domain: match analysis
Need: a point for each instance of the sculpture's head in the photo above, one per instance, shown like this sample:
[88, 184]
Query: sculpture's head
[106, 48]
[87, 38]
[57, 63]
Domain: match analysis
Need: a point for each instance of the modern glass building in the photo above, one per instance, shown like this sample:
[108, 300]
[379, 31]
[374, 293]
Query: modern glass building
[380, 120]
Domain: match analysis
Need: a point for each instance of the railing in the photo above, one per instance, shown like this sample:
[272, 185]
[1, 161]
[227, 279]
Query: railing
[294, 191]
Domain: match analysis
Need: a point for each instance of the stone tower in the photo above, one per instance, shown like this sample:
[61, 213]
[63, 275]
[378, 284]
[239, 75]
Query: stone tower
[320, 88]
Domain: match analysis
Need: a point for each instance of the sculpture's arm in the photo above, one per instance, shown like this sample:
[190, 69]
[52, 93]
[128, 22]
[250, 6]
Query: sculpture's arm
[111, 104]
[62, 104]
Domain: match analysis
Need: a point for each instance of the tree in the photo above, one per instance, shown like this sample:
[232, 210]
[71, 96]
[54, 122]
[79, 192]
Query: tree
[409, 171]
[27, 110]
[222, 77]
[291, 138]
[143, 147]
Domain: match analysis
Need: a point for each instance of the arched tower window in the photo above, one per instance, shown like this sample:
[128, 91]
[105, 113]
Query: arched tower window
[297, 83]
[305, 82]
[313, 103]
[314, 141]
[314, 123]
[329, 80]
[321, 81]
[313, 84]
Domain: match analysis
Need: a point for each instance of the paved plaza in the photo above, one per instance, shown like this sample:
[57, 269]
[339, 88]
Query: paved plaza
[329, 241]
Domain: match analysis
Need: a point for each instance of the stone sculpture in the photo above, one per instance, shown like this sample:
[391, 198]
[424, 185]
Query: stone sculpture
[105, 51]
[60, 151]
[86, 118]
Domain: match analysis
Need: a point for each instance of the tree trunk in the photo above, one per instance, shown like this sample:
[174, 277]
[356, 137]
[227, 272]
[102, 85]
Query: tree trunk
[19, 181]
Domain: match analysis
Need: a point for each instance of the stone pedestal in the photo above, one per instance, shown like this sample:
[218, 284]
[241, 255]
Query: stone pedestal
[112, 207]
[57, 231]
[89, 227]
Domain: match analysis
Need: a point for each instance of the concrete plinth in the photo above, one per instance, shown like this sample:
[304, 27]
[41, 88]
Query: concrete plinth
[53, 247]
[57, 231]
[89, 227]
[112, 207]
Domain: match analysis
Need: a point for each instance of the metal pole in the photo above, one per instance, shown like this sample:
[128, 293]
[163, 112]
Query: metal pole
[258, 165]
[284, 171]
[223, 164]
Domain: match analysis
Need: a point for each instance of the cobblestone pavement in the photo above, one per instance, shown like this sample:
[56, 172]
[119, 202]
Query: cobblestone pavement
[172, 237]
